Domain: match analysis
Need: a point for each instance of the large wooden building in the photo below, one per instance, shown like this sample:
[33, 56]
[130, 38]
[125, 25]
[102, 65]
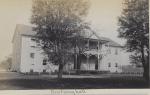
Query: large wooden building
[99, 54]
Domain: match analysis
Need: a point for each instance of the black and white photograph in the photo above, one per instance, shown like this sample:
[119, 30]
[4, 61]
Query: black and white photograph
[74, 44]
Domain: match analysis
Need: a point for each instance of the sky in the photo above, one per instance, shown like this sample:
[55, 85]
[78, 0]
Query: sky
[102, 15]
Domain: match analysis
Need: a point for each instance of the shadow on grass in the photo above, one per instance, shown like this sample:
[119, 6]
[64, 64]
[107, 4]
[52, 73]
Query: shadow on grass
[73, 83]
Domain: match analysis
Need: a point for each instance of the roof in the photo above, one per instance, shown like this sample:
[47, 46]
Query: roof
[25, 30]
[28, 31]
[111, 42]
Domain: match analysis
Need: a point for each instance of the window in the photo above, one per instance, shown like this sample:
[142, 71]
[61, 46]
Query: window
[109, 64]
[100, 45]
[116, 64]
[32, 55]
[97, 47]
[109, 51]
[96, 65]
[116, 52]
[33, 39]
[44, 71]
[33, 46]
[44, 62]
[31, 70]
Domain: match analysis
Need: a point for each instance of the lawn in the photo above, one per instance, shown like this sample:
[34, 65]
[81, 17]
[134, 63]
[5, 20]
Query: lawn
[73, 83]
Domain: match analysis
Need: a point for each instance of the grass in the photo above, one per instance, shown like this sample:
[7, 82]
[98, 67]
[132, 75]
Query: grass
[74, 83]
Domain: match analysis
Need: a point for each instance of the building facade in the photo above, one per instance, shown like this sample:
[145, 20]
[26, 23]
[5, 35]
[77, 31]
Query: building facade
[99, 54]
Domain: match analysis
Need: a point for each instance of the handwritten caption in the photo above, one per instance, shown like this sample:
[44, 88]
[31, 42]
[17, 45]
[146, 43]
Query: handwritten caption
[72, 92]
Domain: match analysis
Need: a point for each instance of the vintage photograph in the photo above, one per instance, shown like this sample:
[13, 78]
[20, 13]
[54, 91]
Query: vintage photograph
[74, 44]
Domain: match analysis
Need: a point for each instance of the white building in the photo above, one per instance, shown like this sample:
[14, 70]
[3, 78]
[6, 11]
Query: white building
[102, 54]
[27, 57]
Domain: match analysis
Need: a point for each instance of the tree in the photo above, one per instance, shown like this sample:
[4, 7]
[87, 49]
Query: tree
[135, 60]
[134, 27]
[6, 64]
[56, 22]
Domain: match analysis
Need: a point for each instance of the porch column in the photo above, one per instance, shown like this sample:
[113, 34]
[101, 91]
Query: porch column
[98, 56]
[88, 44]
[75, 61]
[98, 61]
[98, 45]
[88, 64]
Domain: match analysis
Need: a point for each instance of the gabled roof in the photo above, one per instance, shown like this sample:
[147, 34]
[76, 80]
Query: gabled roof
[28, 31]
[23, 30]
[109, 41]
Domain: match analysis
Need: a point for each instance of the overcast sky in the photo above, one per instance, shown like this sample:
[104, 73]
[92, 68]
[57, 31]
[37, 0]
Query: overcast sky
[103, 16]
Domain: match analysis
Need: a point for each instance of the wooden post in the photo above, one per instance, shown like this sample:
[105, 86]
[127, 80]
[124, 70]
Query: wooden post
[75, 61]
[98, 55]
[88, 56]
[88, 44]
[87, 60]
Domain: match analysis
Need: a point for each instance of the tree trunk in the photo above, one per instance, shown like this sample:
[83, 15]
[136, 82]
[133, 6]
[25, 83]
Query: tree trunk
[146, 73]
[60, 72]
[145, 65]
[148, 68]
[78, 63]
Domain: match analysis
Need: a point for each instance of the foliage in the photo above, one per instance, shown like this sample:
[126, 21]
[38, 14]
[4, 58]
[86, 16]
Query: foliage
[136, 60]
[134, 24]
[6, 64]
[134, 27]
[56, 22]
